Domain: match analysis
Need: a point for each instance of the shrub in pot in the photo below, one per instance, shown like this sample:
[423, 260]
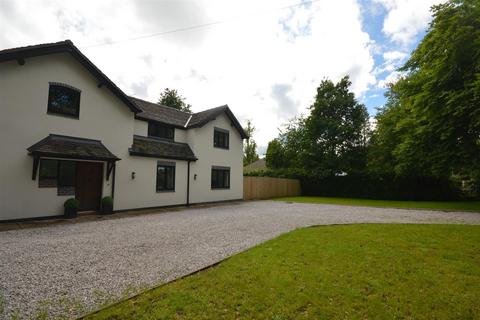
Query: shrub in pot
[71, 208]
[107, 205]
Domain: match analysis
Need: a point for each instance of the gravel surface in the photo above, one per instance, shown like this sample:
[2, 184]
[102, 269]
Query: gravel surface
[70, 269]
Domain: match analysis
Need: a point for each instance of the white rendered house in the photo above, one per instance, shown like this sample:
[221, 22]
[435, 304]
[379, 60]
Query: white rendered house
[69, 131]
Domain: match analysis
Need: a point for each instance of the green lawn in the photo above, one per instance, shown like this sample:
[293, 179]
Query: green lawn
[433, 205]
[330, 272]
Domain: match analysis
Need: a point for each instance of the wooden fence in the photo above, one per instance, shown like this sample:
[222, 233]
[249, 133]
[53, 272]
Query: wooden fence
[266, 188]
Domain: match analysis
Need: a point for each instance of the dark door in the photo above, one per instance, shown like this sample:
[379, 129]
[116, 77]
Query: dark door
[88, 188]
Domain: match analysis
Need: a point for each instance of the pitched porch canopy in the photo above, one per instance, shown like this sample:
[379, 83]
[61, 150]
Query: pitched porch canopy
[161, 148]
[65, 147]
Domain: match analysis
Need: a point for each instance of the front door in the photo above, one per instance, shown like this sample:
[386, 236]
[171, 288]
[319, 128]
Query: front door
[88, 186]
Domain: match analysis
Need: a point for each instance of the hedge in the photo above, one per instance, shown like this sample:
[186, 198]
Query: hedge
[382, 187]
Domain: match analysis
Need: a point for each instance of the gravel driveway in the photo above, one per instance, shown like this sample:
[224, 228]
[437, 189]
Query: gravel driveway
[69, 269]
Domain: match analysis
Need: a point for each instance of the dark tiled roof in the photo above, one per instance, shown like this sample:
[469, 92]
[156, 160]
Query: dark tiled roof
[181, 119]
[67, 47]
[159, 113]
[72, 148]
[161, 148]
[201, 118]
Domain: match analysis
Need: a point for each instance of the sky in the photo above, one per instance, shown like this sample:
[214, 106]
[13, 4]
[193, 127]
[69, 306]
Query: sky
[264, 58]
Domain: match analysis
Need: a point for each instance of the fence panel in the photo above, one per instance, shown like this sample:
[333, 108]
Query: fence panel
[266, 188]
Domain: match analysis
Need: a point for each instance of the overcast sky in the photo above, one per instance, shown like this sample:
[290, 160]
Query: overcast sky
[264, 58]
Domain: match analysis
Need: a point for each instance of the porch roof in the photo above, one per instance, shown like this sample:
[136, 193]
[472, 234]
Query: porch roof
[161, 148]
[59, 146]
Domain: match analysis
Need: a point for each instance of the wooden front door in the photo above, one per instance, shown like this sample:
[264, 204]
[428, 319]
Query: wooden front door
[88, 186]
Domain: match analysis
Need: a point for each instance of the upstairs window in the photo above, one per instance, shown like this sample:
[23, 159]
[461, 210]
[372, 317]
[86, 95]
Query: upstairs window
[161, 131]
[165, 176]
[220, 178]
[220, 138]
[63, 100]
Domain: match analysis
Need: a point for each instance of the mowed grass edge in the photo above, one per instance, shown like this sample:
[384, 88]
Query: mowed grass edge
[472, 206]
[330, 272]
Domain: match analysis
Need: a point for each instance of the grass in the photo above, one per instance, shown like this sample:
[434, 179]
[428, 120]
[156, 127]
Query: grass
[432, 205]
[330, 272]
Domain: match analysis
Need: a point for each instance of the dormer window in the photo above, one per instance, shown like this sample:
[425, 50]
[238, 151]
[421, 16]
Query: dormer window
[63, 100]
[159, 130]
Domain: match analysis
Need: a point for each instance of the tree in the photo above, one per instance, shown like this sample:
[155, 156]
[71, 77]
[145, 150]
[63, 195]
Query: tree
[250, 148]
[336, 130]
[431, 123]
[171, 98]
[275, 156]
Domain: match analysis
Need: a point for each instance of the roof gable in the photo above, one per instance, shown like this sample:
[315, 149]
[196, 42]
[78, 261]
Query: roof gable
[181, 119]
[20, 54]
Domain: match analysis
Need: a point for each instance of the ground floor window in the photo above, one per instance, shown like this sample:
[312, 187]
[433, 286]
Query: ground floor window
[59, 174]
[166, 176]
[220, 178]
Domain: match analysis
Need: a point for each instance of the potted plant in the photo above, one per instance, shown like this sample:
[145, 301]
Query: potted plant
[71, 208]
[107, 205]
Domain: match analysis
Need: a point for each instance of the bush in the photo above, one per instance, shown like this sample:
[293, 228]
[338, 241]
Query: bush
[107, 201]
[71, 203]
[386, 187]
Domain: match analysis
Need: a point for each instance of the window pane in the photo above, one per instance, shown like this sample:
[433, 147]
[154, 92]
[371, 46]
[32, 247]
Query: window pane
[214, 179]
[170, 178]
[63, 100]
[48, 173]
[160, 131]
[160, 178]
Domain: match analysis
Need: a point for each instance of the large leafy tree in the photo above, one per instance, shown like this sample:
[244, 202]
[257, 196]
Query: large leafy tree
[250, 147]
[336, 130]
[171, 98]
[431, 124]
[275, 156]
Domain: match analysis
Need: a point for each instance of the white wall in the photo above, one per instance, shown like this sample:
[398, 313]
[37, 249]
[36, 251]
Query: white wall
[201, 142]
[24, 121]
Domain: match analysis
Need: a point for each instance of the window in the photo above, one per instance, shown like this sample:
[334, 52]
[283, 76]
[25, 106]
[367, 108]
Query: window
[220, 178]
[160, 131]
[63, 100]
[58, 173]
[220, 138]
[165, 176]
[48, 173]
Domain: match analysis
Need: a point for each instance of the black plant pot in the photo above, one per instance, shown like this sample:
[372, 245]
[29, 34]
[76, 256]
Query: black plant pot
[107, 208]
[70, 213]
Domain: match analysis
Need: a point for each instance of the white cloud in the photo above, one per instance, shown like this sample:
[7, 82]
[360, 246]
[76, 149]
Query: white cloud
[238, 62]
[390, 79]
[406, 18]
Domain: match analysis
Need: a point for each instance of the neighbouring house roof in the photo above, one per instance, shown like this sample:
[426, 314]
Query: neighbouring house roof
[59, 146]
[22, 53]
[181, 119]
[161, 148]
[159, 113]
[256, 165]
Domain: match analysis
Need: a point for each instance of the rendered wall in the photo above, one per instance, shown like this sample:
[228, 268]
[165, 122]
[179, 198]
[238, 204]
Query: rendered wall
[201, 142]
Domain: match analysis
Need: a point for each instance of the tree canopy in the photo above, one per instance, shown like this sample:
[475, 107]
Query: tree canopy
[250, 147]
[331, 139]
[431, 122]
[171, 98]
